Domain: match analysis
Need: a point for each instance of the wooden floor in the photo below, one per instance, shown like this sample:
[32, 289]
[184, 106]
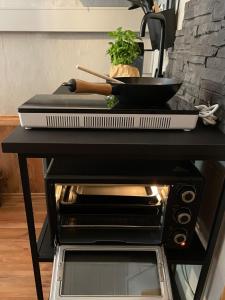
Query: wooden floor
[16, 273]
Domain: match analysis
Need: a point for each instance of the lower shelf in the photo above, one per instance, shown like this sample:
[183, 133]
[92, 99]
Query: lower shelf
[44, 245]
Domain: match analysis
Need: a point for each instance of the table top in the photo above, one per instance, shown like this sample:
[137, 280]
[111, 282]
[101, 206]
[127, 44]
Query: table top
[203, 143]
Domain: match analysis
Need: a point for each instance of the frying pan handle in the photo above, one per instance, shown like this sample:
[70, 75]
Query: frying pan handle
[80, 86]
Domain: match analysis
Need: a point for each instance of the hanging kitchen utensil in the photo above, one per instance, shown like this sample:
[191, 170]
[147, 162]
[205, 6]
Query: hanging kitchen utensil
[145, 5]
[171, 18]
[137, 91]
[154, 26]
[154, 29]
[159, 17]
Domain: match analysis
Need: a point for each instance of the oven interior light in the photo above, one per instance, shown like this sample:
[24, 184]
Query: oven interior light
[155, 192]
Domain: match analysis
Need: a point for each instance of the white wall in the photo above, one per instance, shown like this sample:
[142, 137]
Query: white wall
[34, 63]
[181, 13]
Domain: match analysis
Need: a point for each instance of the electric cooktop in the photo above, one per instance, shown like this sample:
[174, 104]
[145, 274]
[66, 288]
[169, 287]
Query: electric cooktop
[91, 111]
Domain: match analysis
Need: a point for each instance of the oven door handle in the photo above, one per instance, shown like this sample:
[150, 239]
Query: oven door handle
[60, 272]
[161, 273]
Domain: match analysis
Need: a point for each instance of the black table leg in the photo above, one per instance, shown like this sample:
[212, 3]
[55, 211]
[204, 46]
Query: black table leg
[172, 274]
[30, 224]
[211, 245]
[51, 209]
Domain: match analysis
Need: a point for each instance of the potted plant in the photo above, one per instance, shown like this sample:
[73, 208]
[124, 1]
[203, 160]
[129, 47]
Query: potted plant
[123, 53]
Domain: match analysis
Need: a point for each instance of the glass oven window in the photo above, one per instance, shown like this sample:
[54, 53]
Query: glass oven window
[110, 273]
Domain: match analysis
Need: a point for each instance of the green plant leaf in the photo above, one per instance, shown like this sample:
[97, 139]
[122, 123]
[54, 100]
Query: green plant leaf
[125, 49]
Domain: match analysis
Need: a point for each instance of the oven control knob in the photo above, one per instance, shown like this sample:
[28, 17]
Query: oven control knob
[188, 194]
[180, 238]
[183, 216]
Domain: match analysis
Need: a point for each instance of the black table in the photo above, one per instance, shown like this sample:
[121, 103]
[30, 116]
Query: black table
[203, 143]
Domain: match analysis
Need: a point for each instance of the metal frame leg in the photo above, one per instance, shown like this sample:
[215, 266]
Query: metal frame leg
[30, 224]
[211, 245]
[51, 208]
[172, 273]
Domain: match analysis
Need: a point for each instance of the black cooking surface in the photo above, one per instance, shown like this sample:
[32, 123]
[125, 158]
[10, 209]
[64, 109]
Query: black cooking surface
[89, 103]
[72, 100]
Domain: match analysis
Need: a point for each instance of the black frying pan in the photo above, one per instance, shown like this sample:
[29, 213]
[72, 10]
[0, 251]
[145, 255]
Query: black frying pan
[136, 90]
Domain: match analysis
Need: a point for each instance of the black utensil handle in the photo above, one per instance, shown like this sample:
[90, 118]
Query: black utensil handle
[71, 85]
[161, 18]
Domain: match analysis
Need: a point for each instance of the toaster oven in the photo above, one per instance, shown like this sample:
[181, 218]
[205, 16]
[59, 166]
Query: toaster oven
[161, 209]
[111, 233]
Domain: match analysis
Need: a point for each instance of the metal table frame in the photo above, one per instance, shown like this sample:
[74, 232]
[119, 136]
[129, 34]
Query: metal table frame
[135, 145]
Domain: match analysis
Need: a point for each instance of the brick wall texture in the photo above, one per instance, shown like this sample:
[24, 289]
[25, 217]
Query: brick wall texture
[198, 55]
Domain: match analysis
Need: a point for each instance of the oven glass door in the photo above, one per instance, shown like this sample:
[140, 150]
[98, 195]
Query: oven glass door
[109, 272]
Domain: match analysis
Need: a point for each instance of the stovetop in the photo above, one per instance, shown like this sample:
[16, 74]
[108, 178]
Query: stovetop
[64, 109]
[90, 103]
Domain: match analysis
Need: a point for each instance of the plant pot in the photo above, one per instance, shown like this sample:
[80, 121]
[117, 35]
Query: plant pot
[123, 71]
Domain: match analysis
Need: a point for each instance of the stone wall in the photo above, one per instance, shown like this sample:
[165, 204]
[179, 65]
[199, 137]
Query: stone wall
[198, 56]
